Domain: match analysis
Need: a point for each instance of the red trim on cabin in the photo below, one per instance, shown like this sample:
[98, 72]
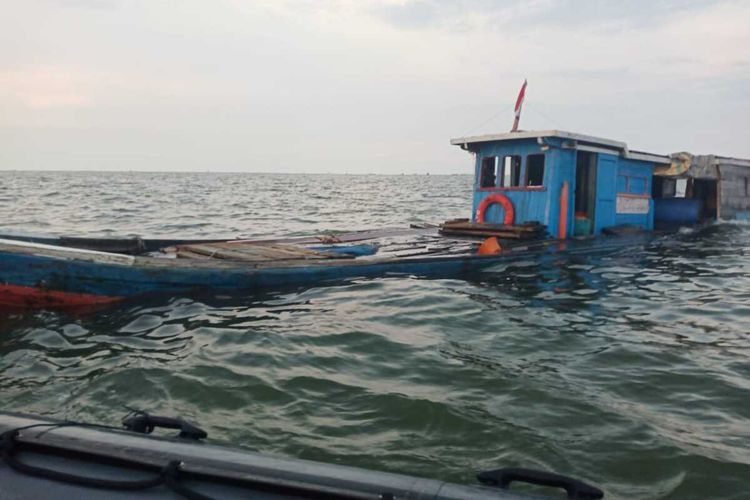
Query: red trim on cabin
[631, 195]
[513, 188]
[30, 297]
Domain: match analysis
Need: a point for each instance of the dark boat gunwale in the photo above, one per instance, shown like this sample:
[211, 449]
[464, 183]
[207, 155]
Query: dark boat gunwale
[81, 443]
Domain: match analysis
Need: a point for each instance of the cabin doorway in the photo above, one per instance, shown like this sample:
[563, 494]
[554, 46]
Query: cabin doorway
[585, 195]
[705, 190]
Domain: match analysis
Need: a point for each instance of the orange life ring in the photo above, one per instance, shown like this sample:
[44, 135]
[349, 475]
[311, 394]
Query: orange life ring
[510, 214]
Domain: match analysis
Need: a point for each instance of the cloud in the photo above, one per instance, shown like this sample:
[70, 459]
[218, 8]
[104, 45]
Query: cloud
[87, 4]
[412, 14]
[520, 15]
[46, 87]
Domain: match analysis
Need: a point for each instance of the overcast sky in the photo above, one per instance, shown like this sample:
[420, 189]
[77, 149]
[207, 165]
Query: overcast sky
[355, 86]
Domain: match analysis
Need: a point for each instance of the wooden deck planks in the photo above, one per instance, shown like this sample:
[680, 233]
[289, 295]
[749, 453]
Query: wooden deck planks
[526, 231]
[250, 252]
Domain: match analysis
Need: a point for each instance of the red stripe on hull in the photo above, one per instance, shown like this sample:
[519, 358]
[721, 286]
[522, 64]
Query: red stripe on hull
[29, 297]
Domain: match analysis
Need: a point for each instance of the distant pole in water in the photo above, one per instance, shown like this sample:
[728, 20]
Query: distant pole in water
[519, 103]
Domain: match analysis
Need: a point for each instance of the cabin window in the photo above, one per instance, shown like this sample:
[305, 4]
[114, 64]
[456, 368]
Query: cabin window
[747, 186]
[511, 175]
[676, 188]
[668, 188]
[680, 189]
[535, 170]
[622, 184]
[633, 185]
[487, 175]
[637, 185]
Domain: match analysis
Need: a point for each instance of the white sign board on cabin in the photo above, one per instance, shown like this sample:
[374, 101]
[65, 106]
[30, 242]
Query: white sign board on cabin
[629, 205]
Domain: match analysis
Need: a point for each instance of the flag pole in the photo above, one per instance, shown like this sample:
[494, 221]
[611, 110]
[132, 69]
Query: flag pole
[519, 103]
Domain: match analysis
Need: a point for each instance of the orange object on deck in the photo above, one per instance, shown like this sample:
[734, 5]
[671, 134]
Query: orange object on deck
[491, 246]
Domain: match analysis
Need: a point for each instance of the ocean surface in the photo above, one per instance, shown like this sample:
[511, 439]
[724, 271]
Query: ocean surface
[630, 370]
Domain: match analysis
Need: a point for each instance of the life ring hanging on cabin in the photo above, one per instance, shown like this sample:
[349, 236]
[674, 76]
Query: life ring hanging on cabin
[500, 199]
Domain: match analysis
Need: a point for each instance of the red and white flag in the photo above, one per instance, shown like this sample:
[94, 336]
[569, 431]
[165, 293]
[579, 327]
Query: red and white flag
[519, 103]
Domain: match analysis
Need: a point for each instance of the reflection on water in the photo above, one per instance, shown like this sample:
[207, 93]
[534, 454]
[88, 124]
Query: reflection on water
[629, 368]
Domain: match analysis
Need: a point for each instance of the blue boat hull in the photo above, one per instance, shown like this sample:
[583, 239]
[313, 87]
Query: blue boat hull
[51, 276]
[41, 281]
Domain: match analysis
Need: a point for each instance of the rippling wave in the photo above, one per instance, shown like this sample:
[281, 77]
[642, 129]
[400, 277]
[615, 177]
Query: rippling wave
[630, 369]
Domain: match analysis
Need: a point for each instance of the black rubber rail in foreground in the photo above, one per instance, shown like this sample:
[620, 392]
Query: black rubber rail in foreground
[144, 423]
[575, 489]
[169, 475]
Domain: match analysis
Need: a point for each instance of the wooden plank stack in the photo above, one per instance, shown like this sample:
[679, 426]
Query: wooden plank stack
[464, 227]
[250, 252]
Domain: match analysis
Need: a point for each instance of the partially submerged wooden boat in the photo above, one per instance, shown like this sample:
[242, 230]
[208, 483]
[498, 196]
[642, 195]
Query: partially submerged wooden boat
[37, 274]
[533, 191]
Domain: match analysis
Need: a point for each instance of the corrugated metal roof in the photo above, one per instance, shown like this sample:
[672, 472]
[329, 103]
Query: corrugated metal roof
[727, 160]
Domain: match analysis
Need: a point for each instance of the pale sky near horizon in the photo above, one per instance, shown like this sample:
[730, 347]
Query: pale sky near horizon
[355, 86]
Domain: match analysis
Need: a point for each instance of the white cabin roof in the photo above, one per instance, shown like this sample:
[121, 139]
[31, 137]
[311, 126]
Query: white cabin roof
[580, 141]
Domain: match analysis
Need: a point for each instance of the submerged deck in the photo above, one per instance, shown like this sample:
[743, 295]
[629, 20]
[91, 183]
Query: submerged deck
[456, 238]
[340, 249]
[250, 252]
[327, 250]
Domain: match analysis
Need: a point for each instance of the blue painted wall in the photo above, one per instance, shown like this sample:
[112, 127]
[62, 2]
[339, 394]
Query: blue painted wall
[530, 203]
[615, 177]
[634, 181]
[606, 192]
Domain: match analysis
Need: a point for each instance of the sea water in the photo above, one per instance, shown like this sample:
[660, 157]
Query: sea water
[630, 370]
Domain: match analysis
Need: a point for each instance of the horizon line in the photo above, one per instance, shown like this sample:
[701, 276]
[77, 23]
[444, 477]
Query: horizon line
[223, 172]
